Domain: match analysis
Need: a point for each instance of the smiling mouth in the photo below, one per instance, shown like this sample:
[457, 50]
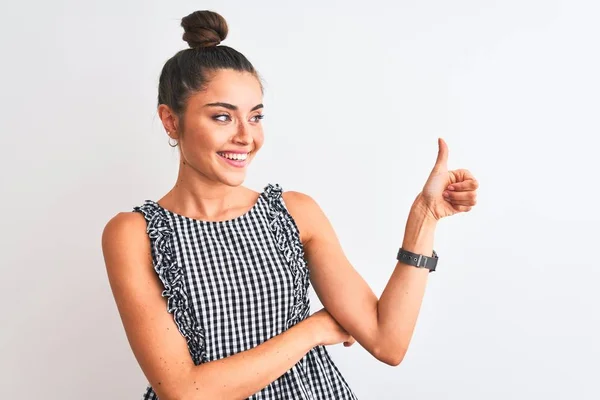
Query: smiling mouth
[238, 160]
[235, 156]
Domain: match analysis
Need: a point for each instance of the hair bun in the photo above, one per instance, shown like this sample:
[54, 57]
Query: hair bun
[204, 29]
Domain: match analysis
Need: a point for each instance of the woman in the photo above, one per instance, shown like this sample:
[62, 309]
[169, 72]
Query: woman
[211, 280]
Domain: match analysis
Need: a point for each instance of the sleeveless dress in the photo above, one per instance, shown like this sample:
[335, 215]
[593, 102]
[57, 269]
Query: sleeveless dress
[234, 284]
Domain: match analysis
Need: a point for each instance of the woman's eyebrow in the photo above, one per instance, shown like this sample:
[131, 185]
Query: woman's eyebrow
[231, 106]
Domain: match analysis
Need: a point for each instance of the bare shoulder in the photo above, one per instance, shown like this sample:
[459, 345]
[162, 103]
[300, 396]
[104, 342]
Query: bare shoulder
[126, 246]
[123, 230]
[305, 211]
[125, 220]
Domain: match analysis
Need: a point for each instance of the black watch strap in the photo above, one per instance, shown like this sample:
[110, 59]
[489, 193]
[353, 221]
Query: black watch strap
[418, 260]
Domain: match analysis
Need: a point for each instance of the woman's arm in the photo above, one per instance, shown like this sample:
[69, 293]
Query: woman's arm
[382, 326]
[161, 350]
[400, 302]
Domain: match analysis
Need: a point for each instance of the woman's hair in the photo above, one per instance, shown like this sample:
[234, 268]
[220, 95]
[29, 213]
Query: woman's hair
[189, 70]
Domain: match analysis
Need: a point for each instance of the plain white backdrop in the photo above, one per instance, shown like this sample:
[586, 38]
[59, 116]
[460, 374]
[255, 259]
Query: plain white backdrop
[356, 95]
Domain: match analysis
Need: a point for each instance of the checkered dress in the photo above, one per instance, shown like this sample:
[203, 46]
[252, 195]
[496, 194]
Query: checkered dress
[231, 285]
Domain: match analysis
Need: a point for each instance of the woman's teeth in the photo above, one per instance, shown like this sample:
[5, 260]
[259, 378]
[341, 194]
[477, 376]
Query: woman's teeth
[234, 156]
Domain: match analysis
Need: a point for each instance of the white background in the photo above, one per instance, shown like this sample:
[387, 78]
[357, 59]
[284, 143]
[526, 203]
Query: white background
[356, 95]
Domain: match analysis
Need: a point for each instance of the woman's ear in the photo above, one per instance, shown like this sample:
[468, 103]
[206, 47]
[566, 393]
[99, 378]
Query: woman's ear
[169, 120]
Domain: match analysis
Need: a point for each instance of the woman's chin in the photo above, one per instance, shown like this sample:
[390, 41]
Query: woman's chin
[233, 178]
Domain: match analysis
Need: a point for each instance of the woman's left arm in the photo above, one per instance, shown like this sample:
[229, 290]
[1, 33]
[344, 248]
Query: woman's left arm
[383, 326]
[400, 302]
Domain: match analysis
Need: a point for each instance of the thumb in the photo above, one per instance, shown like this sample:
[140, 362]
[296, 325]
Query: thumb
[441, 164]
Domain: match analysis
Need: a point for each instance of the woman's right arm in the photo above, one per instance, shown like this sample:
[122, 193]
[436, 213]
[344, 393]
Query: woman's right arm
[162, 351]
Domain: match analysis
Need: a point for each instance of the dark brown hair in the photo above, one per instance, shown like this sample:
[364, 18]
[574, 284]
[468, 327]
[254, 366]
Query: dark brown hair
[189, 70]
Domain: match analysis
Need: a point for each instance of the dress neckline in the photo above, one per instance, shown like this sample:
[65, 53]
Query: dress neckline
[208, 222]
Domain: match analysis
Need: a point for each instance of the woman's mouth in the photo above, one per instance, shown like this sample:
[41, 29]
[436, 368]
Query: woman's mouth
[238, 160]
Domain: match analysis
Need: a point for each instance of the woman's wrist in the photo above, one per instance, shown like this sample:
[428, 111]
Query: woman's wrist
[420, 211]
[420, 229]
[314, 329]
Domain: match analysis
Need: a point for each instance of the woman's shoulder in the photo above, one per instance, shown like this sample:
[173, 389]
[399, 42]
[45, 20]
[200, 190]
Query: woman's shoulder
[304, 210]
[124, 230]
[124, 222]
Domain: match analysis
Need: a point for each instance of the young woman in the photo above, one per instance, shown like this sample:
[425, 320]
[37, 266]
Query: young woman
[211, 280]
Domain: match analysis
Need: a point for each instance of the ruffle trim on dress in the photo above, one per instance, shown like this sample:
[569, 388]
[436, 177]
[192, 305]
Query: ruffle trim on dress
[171, 275]
[287, 239]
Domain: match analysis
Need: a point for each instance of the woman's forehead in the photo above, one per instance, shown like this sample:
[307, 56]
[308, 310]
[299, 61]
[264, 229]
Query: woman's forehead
[241, 89]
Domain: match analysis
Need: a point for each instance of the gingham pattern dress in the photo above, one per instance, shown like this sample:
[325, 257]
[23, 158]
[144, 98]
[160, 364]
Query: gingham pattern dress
[234, 284]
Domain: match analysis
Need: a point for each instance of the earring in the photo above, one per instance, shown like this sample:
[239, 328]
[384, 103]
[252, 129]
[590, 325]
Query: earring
[172, 145]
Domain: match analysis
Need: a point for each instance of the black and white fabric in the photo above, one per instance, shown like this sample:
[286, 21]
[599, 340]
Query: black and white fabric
[234, 284]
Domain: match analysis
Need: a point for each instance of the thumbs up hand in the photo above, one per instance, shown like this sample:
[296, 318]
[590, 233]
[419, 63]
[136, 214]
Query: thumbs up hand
[447, 192]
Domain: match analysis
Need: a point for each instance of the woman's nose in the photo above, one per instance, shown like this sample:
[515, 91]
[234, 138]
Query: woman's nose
[243, 133]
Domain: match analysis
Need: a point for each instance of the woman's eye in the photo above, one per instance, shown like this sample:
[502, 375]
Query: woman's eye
[226, 117]
[221, 117]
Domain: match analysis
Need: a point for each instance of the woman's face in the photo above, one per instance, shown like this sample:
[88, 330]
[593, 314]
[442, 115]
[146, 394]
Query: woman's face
[222, 129]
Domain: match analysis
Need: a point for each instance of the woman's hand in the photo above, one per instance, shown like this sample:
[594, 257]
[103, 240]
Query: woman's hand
[447, 192]
[329, 331]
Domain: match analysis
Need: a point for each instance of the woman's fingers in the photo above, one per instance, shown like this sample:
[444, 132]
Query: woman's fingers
[462, 208]
[470, 184]
[350, 342]
[461, 198]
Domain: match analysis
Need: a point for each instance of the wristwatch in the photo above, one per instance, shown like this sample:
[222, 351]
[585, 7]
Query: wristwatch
[418, 260]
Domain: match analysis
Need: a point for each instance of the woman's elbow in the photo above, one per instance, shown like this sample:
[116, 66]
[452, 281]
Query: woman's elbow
[391, 358]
